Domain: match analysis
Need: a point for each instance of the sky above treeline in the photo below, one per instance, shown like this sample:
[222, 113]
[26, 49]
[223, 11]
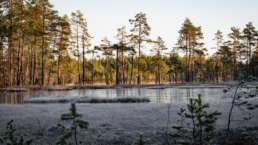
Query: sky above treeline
[164, 16]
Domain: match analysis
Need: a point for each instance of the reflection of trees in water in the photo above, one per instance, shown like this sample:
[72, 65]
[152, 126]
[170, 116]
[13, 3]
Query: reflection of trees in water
[139, 90]
[12, 98]
[158, 94]
[188, 95]
[194, 92]
[81, 93]
[176, 96]
[179, 95]
[162, 96]
[168, 95]
[120, 92]
[109, 93]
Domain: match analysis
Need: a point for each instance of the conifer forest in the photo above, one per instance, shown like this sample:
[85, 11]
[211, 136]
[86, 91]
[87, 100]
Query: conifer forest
[161, 73]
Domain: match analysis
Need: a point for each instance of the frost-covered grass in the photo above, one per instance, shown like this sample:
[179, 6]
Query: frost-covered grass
[112, 123]
[108, 123]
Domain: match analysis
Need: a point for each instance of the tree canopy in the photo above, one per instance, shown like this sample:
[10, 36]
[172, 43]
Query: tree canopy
[38, 46]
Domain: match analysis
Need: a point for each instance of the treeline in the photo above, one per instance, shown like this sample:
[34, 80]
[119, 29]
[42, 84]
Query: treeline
[40, 47]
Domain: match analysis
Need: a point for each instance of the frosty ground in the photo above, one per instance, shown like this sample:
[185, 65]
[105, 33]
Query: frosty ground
[109, 123]
[112, 123]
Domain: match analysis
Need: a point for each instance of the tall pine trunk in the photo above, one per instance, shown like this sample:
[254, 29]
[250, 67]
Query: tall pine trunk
[83, 61]
[131, 74]
[10, 42]
[117, 67]
[43, 49]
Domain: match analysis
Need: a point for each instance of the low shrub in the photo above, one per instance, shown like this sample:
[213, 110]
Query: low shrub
[12, 138]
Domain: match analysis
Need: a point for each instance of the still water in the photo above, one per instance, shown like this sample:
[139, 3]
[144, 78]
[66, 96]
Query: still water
[156, 95]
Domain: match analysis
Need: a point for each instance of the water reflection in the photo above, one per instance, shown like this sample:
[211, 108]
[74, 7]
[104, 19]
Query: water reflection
[167, 95]
[12, 98]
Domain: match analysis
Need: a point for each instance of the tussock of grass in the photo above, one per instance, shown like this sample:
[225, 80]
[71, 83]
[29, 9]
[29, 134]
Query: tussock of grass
[91, 100]
[115, 100]
[47, 101]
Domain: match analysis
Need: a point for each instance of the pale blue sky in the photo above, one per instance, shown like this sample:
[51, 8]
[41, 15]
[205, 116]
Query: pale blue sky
[164, 16]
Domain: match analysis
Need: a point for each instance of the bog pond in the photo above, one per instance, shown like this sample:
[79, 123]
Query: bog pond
[116, 123]
[173, 95]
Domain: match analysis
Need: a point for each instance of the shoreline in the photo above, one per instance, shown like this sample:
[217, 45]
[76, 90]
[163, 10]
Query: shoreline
[96, 86]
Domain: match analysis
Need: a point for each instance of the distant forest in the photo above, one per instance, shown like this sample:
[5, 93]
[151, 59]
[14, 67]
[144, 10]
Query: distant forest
[39, 47]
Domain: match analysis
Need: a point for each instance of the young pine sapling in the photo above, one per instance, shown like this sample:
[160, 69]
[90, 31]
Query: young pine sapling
[11, 138]
[140, 141]
[72, 130]
[197, 123]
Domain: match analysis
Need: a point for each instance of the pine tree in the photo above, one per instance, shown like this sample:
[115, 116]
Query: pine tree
[219, 38]
[249, 41]
[121, 36]
[46, 14]
[3, 36]
[235, 44]
[63, 43]
[189, 42]
[107, 51]
[159, 48]
[92, 52]
[140, 32]
[85, 45]
[77, 21]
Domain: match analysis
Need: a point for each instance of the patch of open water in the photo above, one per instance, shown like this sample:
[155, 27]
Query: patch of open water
[174, 95]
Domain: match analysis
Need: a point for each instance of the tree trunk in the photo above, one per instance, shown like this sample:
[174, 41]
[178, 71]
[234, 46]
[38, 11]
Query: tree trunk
[78, 49]
[18, 63]
[92, 69]
[159, 74]
[10, 43]
[58, 70]
[131, 75]
[34, 70]
[43, 50]
[117, 68]
[123, 71]
[2, 67]
[21, 75]
[83, 60]
[139, 56]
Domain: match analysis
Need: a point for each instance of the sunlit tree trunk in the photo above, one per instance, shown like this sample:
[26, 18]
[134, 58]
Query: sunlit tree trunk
[83, 60]
[10, 42]
[131, 74]
[117, 68]
[43, 49]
